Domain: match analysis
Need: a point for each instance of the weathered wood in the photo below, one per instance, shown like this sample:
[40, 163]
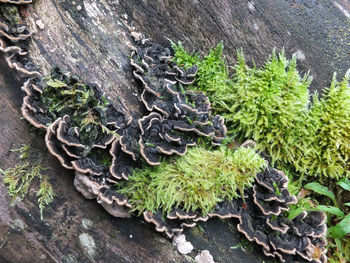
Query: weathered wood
[93, 41]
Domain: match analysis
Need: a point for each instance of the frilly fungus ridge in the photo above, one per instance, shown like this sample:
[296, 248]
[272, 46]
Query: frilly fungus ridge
[14, 34]
[264, 222]
[89, 134]
[184, 115]
[261, 211]
[80, 122]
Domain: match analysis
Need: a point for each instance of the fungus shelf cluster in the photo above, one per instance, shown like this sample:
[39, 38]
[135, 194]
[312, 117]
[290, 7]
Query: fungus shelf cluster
[265, 222]
[102, 144]
[177, 117]
[89, 134]
[263, 219]
[14, 34]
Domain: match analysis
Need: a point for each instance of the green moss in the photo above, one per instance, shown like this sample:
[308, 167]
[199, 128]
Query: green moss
[24, 150]
[20, 178]
[45, 195]
[331, 132]
[271, 105]
[196, 181]
[339, 249]
[64, 94]
[10, 14]
[212, 75]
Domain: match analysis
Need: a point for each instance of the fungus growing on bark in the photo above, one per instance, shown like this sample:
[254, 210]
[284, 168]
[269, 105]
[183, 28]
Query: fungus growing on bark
[91, 187]
[183, 246]
[183, 115]
[164, 90]
[18, 2]
[157, 138]
[186, 76]
[32, 110]
[13, 34]
[82, 108]
[129, 140]
[204, 257]
[78, 120]
[55, 146]
[122, 163]
[264, 221]
[86, 165]
[88, 188]
[169, 227]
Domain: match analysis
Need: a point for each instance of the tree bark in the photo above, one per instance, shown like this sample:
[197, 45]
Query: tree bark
[91, 38]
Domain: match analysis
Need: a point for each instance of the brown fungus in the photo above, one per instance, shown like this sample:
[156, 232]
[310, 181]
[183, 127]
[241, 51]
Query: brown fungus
[263, 221]
[129, 140]
[86, 165]
[13, 39]
[122, 163]
[186, 77]
[91, 188]
[87, 187]
[55, 146]
[164, 91]
[153, 141]
[68, 135]
[32, 110]
[18, 2]
[169, 227]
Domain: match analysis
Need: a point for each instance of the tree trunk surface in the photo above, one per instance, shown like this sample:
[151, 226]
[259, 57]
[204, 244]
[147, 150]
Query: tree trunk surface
[91, 38]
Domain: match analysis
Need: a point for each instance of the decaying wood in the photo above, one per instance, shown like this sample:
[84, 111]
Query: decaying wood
[91, 39]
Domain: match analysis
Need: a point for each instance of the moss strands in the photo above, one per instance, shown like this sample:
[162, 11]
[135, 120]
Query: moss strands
[196, 181]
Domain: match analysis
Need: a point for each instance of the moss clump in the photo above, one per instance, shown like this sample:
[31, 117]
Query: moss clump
[212, 75]
[268, 105]
[45, 195]
[330, 118]
[20, 178]
[271, 105]
[196, 181]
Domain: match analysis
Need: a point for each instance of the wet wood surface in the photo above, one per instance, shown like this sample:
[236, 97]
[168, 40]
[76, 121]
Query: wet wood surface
[91, 39]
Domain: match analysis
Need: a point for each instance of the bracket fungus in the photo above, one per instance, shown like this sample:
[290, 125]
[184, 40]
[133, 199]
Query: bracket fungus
[92, 187]
[14, 34]
[80, 125]
[96, 138]
[79, 120]
[177, 117]
[265, 223]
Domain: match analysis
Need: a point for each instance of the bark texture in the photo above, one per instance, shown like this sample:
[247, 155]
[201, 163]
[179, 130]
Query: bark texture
[91, 39]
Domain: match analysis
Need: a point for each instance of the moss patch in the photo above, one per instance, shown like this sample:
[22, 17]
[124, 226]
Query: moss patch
[20, 178]
[196, 181]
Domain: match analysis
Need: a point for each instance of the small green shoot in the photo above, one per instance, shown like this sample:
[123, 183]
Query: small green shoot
[24, 149]
[45, 195]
